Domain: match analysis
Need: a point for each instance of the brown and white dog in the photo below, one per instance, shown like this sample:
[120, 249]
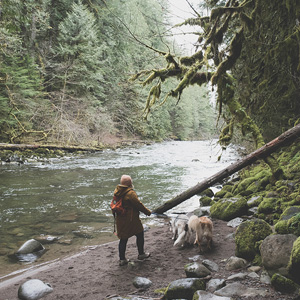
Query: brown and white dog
[203, 227]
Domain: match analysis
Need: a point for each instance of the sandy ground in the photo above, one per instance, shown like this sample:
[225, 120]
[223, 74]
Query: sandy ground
[95, 273]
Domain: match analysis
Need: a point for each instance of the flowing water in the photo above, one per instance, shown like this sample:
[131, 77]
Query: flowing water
[68, 198]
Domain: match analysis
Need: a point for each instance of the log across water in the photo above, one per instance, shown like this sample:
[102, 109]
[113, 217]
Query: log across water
[282, 140]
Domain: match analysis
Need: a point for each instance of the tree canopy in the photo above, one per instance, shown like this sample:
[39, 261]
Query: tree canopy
[65, 67]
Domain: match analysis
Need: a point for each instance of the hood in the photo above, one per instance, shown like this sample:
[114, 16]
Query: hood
[121, 190]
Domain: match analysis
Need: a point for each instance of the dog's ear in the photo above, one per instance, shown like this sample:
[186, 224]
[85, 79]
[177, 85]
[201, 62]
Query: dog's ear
[186, 227]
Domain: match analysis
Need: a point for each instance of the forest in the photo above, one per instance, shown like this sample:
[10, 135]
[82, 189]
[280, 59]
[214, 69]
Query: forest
[86, 72]
[66, 68]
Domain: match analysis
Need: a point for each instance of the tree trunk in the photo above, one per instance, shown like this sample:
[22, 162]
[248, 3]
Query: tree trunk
[283, 140]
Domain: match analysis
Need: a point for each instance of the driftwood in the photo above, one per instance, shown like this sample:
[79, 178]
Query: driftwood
[283, 140]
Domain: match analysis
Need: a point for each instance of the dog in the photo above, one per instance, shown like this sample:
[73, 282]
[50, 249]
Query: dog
[203, 227]
[180, 229]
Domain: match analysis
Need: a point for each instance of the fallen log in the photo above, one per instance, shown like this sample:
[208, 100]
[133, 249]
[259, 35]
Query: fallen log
[22, 147]
[282, 140]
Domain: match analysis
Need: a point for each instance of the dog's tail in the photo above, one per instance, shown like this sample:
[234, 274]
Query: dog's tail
[181, 238]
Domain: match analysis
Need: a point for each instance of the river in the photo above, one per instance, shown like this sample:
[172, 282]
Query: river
[69, 198]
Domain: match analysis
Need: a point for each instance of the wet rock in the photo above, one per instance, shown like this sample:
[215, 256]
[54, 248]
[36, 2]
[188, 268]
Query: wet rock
[30, 246]
[235, 222]
[142, 282]
[46, 239]
[30, 251]
[234, 263]
[275, 252]
[202, 295]
[237, 289]
[196, 270]
[248, 234]
[212, 266]
[184, 288]
[215, 284]
[34, 289]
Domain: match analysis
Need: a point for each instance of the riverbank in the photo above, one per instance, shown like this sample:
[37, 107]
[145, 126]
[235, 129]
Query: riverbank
[95, 273]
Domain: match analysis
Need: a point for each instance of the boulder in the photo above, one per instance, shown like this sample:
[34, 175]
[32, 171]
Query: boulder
[248, 234]
[235, 263]
[184, 288]
[294, 264]
[30, 251]
[283, 284]
[30, 246]
[275, 252]
[34, 289]
[215, 284]
[212, 266]
[142, 282]
[196, 270]
[229, 208]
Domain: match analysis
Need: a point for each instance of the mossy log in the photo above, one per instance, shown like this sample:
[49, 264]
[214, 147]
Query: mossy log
[261, 153]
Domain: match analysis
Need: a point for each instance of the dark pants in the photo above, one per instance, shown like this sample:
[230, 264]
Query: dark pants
[139, 243]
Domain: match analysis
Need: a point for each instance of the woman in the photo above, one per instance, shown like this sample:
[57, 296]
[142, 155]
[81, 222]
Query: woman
[129, 223]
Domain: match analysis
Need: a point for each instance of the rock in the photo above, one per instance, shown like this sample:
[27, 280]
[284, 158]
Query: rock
[184, 288]
[294, 265]
[196, 270]
[234, 263]
[235, 222]
[237, 289]
[212, 266]
[46, 239]
[237, 276]
[30, 246]
[142, 282]
[283, 284]
[290, 212]
[265, 277]
[202, 295]
[254, 269]
[248, 234]
[228, 208]
[30, 251]
[196, 258]
[275, 252]
[34, 289]
[215, 284]
[253, 275]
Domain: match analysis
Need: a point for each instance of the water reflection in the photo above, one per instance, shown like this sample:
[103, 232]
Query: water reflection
[70, 197]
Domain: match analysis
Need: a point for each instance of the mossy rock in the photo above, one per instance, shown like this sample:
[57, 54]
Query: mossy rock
[254, 183]
[228, 209]
[283, 284]
[290, 212]
[294, 264]
[281, 227]
[207, 192]
[268, 205]
[205, 201]
[248, 236]
[293, 225]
